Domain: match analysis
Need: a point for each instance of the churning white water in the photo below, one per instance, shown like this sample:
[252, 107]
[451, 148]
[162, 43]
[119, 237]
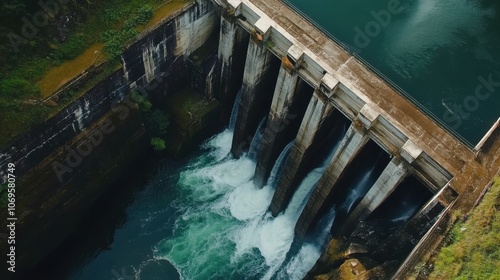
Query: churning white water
[225, 230]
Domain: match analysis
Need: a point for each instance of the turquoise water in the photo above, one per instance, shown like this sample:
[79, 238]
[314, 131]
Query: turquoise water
[202, 218]
[445, 54]
[225, 231]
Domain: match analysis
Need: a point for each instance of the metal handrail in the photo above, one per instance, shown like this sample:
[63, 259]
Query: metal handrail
[386, 79]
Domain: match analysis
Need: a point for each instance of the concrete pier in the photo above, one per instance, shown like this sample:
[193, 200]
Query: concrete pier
[351, 144]
[233, 41]
[317, 111]
[255, 96]
[387, 182]
[278, 119]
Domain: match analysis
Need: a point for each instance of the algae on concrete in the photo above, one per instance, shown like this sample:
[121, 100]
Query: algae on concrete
[192, 118]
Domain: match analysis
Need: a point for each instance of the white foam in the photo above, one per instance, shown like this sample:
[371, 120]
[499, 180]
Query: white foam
[220, 144]
[302, 263]
[232, 208]
[248, 202]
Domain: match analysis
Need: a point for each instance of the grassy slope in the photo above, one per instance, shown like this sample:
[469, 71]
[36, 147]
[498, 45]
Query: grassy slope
[474, 252]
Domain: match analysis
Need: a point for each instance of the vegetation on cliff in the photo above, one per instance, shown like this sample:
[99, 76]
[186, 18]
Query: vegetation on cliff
[50, 42]
[474, 249]
[155, 120]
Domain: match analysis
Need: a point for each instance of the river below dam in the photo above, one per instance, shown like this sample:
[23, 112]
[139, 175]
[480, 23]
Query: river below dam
[202, 218]
[444, 54]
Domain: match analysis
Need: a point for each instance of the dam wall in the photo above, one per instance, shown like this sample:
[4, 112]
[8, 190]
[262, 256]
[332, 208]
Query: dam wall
[309, 97]
[68, 161]
[409, 152]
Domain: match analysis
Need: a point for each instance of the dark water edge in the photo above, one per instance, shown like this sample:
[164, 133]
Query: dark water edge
[99, 230]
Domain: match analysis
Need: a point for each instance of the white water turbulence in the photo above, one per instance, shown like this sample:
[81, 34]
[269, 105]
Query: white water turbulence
[273, 237]
[300, 264]
[224, 230]
[219, 202]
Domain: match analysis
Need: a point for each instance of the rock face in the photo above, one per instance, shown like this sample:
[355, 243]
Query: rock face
[69, 161]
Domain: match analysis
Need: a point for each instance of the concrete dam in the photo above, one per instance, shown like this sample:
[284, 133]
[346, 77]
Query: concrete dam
[322, 167]
[303, 95]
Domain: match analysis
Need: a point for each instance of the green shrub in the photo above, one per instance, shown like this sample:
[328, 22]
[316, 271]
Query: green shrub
[73, 47]
[144, 14]
[140, 100]
[113, 43]
[158, 144]
[112, 15]
[156, 122]
[18, 88]
[115, 40]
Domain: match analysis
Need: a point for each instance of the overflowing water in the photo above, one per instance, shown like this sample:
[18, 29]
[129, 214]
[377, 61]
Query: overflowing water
[257, 140]
[360, 188]
[279, 165]
[234, 112]
[206, 219]
[225, 230]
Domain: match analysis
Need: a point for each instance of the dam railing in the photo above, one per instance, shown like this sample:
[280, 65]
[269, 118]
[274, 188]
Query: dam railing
[386, 79]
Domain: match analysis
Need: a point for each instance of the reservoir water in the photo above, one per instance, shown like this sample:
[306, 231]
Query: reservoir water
[445, 54]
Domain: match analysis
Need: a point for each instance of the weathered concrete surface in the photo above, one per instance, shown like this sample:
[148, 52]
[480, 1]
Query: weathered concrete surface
[317, 111]
[448, 151]
[49, 207]
[470, 170]
[351, 144]
[403, 240]
[233, 42]
[387, 182]
[53, 204]
[284, 94]
[256, 95]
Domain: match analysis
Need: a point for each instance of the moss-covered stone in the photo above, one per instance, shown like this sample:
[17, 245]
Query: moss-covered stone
[192, 119]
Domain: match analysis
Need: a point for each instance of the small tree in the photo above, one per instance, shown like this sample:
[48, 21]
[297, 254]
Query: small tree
[156, 122]
[158, 144]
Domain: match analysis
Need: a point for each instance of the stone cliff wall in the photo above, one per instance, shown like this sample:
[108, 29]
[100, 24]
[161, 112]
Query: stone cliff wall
[67, 162]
